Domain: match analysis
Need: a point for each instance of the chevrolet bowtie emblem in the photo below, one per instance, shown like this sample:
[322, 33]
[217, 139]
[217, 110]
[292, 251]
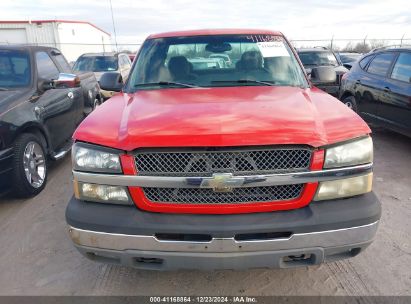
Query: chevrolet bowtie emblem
[223, 182]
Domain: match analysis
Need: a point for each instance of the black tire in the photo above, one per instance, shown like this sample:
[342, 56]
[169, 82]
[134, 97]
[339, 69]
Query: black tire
[350, 102]
[20, 183]
[96, 102]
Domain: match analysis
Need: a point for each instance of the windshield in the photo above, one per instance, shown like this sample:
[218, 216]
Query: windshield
[215, 61]
[318, 58]
[96, 64]
[14, 69]
[347, 58]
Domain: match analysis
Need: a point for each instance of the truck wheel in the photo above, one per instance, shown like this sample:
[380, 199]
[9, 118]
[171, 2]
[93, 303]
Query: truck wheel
[29, 166]
[350, 102]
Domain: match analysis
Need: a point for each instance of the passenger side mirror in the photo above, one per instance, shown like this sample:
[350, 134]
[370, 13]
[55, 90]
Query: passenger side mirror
[323, 75]
[66, 80]
[111, 81]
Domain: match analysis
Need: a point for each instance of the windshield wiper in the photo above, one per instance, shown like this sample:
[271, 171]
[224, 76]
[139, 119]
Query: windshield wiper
[264, 82]
[165, 83]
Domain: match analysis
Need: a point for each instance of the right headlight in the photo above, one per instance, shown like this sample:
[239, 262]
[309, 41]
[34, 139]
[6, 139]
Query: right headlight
[92, 159]
[95, 159]
[353, 153]
[101, 193]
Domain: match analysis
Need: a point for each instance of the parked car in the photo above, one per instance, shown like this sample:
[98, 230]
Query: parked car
[99, 63]
[225, 57]
[348, 59]
[378, 87]
[238, 167]
[41, 104]
[315, 57]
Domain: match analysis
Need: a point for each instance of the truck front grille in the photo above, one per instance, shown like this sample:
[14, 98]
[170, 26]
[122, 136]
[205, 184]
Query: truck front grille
[238, 161]
[238, 195]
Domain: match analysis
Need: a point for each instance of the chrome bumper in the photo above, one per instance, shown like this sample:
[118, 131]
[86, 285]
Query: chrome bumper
[240, 181]
[322, 239]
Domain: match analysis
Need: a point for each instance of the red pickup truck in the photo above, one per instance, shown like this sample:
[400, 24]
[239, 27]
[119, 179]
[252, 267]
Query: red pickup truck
[216, 166]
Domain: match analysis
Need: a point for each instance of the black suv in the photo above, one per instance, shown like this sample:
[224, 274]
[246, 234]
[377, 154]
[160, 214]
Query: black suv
[321, 56]
[41, 104]
[378, 87]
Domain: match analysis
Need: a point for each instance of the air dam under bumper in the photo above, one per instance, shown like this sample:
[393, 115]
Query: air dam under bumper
[257, 240]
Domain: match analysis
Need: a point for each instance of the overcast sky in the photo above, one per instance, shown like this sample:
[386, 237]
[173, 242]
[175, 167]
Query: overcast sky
[299, 19]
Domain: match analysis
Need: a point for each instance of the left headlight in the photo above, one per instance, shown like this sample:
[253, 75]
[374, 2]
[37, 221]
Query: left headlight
[101, 193]
[86, 158]
[353, 153]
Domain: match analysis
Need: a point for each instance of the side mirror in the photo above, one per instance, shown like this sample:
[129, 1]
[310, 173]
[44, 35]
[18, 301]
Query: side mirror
[111, 81]
[348, 66]
[66, 80]
[323, 75]
[45, 85]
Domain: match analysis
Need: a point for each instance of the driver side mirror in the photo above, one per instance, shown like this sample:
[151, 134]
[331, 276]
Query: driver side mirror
[66, 80]
[111, 81]
[63, 81]
[323, 75]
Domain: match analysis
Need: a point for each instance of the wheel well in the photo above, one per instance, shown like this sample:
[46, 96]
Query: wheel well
[345, 95]
[39, 133]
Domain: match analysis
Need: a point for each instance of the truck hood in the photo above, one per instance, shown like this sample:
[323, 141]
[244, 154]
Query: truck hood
[229, 116]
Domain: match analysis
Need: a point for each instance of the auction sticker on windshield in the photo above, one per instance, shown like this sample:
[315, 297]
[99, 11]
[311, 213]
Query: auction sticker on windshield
[273, 49]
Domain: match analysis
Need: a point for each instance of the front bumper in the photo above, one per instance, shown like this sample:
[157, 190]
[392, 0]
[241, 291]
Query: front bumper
[320, 232]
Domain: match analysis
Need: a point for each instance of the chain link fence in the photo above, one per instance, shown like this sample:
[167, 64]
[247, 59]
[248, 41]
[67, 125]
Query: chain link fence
[363, 45]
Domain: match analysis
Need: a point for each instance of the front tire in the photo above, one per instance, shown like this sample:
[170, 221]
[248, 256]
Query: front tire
[351, 103]
[29, 174]
[97, 102]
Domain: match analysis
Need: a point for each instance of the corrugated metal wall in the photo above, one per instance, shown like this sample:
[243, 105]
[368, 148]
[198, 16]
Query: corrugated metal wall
[72, 38]
[43, 34]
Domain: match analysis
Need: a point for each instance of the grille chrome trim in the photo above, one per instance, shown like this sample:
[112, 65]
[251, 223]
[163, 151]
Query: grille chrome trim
[192, 182]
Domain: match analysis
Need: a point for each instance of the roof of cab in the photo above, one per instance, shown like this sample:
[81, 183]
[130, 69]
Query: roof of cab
[206, 32]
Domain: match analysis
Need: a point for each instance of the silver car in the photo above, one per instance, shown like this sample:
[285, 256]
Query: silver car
[100, 63]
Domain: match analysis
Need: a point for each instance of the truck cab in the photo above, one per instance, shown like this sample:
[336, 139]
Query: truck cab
[246, 165]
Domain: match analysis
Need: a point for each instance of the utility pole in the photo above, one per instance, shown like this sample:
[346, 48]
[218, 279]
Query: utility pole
[114, 26]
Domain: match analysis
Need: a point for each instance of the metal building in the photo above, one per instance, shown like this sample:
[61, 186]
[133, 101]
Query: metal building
[73, 38]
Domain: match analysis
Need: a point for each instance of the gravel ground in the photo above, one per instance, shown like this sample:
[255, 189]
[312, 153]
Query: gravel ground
[37, 257]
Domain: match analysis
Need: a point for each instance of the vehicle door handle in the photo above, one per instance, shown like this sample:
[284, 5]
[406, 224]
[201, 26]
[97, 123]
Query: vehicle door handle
[387, 89]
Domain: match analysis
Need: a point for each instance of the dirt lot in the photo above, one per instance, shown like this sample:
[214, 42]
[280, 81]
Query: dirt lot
[37, 257]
